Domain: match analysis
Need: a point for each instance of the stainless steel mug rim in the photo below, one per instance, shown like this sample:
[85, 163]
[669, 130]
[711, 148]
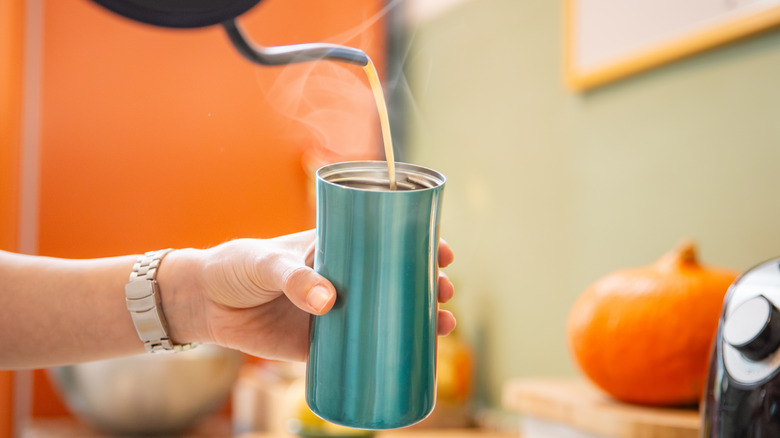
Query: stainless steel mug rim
[409, 177]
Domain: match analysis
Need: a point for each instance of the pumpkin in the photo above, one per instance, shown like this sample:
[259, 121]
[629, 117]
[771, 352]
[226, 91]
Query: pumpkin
[644, 334]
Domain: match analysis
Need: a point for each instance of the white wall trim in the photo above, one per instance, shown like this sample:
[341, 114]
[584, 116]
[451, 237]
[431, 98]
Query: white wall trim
[29, 190]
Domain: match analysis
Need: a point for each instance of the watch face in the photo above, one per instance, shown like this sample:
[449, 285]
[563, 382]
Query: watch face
[179, 13]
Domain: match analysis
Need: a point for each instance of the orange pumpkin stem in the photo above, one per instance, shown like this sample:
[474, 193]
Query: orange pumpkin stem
[683, 254]
[686, 251]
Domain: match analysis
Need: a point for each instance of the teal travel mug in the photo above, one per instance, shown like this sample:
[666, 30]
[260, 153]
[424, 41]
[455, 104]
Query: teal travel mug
[372, 358]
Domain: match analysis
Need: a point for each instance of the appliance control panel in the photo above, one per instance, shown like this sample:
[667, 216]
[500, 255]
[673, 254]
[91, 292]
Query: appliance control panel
[751, 325]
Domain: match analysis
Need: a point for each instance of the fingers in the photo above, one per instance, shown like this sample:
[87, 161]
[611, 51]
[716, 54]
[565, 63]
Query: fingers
[320, 297]
[446, 288]
[308, 290]
[446, 323]
[312, 292]
[308, 256]
[283, 269]
[446, 256]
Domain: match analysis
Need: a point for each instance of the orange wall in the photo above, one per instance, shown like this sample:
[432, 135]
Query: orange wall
[154, 138]
[11, 58]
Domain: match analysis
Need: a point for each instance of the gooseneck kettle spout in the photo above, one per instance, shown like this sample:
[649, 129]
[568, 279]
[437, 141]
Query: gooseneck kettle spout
[201, 13]
[280, 55]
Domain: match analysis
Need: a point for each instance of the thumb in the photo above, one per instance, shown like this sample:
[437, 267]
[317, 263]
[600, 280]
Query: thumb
[308, 290]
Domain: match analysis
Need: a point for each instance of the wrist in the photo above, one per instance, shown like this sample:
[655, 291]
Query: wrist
[181, 297]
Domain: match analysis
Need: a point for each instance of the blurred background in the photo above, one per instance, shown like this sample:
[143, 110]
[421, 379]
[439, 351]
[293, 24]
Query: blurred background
[550, 189]
[121, 138]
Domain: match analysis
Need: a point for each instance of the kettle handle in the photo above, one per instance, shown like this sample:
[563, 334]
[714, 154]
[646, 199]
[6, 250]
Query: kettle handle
[280, 55]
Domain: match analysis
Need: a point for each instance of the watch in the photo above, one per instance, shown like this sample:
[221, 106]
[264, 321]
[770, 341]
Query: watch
[142, 296]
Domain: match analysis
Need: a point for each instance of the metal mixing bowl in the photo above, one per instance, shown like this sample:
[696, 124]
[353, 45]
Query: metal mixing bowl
[150, 393]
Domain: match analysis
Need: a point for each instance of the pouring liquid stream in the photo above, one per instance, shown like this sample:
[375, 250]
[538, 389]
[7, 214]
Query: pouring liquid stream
[384, 121]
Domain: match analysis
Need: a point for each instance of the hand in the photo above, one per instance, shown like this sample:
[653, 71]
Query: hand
[256, 295]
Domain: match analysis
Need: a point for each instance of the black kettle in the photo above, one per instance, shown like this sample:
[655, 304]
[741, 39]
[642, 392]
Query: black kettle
[201, 13]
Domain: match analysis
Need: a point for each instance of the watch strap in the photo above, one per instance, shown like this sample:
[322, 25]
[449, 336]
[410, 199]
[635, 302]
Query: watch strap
[142, 296]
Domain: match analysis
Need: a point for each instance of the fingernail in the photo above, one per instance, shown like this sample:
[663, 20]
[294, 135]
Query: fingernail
[318, 298]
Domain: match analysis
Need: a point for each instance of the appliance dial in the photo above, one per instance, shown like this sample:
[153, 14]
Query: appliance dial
[754, 328]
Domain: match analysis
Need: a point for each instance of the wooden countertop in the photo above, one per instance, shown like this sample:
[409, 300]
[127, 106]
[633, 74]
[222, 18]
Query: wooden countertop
[220, 428]
[412, 433]
[581, 407]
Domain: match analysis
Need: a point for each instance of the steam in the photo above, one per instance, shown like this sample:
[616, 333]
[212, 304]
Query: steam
[331, 103]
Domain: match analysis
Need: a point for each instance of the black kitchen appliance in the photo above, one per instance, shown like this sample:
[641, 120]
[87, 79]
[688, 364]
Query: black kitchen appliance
[201, 13]
[742, 398]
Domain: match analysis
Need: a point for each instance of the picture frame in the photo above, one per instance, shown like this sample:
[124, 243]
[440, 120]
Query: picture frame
[608, 40]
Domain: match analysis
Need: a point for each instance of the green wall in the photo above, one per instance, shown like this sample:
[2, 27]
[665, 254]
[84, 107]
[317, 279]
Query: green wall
[549, 189]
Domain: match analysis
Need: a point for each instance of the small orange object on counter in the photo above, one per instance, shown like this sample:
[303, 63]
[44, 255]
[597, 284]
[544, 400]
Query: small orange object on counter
[644, 334]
